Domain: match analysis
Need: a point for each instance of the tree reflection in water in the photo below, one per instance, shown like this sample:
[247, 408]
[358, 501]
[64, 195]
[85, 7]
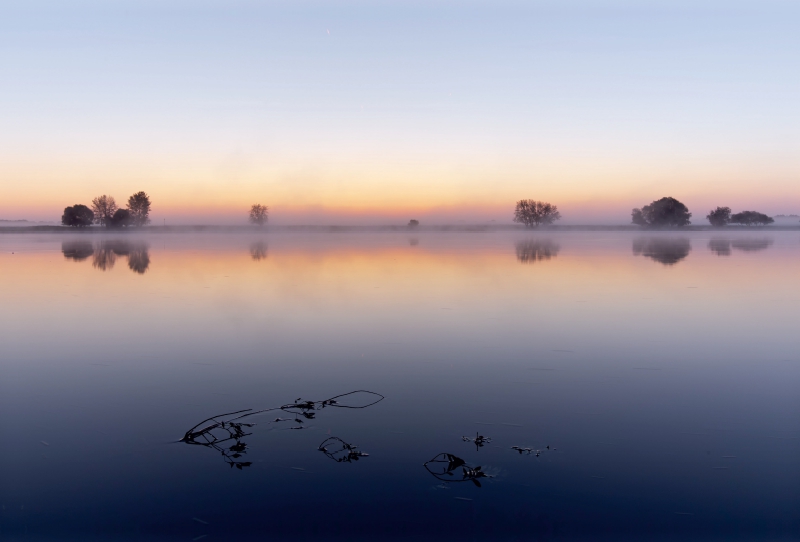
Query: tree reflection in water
[77, 250]
[665, 250]
[722, 247]
[105, 253]
[258, 251]
[535, 250]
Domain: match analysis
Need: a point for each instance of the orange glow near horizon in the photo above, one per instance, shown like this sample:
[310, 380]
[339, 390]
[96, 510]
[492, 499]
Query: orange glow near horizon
[204, 189]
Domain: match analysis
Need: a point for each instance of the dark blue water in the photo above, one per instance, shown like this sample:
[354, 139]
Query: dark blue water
[666, 391]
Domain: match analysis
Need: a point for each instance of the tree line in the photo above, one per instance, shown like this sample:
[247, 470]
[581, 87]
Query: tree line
[665, 212]
[669, 212]
[105, 212]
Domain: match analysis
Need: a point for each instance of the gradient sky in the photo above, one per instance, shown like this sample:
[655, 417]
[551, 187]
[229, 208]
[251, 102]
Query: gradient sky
[374, 112]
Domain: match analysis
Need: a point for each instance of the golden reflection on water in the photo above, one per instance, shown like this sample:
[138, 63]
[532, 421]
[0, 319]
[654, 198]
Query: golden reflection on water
[601, 287]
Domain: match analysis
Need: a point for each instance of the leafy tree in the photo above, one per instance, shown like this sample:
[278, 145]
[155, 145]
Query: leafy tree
[532, 213]
[751, 218]
[122, 219]
[719, 217]
[139, 207]
[413, 223]
[258, 214]
[78, 216]
[104, 208]
[662, 213]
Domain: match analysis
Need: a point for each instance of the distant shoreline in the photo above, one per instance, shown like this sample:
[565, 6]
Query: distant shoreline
[387, 228]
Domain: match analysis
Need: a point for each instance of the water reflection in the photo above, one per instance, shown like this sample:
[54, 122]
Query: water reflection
[217, 431]
[77, 250]
[722, 247]
[105, 253]
[534, 250]
[258, 251]
[340, 451]
[445, 467]
[478, 440]
[665, 250]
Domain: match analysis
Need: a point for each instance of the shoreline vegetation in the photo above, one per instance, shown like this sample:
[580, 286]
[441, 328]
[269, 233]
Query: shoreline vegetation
[379, 228]
[665, 214]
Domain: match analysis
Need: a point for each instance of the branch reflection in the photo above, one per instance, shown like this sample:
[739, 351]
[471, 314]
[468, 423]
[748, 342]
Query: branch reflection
[217, 431]
[445, 467]
[536, 250]
[340, 451]
[258, 251]
[105, 253]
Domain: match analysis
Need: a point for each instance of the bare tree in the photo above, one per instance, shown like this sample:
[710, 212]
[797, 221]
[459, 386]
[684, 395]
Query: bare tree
[258, 214]
[532, 213]
[104, 208]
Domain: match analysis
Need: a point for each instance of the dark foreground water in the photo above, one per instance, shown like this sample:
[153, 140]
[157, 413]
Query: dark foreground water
[650, 382]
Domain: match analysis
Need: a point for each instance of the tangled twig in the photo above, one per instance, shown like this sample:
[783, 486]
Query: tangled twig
[340, 451]
[216, 430]
[479, 440]
[529, 451]
[444, 466]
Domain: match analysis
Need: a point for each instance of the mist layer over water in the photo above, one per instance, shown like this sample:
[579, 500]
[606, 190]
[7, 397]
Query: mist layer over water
[661, 370]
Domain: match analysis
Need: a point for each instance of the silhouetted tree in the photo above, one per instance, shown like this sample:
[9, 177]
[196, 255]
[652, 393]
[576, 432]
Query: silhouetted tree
[122, 219]
[104, 208]
[751, 218]
[77, 250]
[719, 217]
[259, 214]
[662, 213]
[258, 251]
[535, 250]
[663, 250]
[78, 216]
[413, 223]
[532, 213]
[139, 208]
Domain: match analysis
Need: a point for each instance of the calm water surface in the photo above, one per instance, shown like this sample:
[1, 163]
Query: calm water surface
[661, 370]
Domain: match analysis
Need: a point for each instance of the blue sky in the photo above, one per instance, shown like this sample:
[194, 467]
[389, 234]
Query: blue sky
[367, 110]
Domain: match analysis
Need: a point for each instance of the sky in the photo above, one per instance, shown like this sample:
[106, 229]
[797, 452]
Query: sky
[375, 112]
